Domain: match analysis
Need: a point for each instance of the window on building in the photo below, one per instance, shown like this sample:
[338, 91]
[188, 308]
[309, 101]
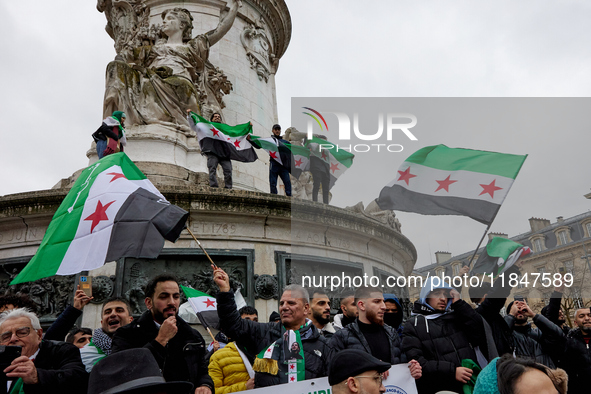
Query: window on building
[569, 265]
[456, 269]
[538, 246]
[562, 237]
[541, 270]
[588, 227]
[577, 299]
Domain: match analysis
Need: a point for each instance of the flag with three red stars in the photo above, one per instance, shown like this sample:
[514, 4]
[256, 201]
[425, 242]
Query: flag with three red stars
[112, 211]
[437, 180]
[295, 158]
[338, 160]
[224, 141]
[204, 305]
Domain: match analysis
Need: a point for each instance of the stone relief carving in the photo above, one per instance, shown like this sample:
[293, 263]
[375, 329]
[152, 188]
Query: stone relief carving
[373, 211]
[258, 49]
[50, 295]
[160, 70]
[189, 273]
[266, 287]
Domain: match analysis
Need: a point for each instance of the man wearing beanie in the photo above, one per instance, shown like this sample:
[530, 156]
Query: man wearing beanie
[354, 371]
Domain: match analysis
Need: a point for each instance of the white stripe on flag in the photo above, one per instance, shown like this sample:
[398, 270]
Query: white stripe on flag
[467, 185]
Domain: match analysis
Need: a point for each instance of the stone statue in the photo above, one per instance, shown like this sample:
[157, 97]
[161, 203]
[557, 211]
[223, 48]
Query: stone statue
[160, 71]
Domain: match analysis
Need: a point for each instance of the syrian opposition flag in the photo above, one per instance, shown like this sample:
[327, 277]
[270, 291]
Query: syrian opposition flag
[204, 305]
[499, 255]
[112, 211]
[338, 160]
[226, 142]
[437, 180]
[294, 157]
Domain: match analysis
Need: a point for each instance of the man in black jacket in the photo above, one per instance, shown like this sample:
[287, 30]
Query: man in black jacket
[177, 347]
[444, 331]
[255, 337]
[369, 333]
[44, 366]
[576, 359]
[542, 343]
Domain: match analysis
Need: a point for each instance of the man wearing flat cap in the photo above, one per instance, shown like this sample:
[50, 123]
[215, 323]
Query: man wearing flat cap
[354, 371]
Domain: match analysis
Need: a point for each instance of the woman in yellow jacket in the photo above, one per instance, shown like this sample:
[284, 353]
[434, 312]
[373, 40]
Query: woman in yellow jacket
[228, 371]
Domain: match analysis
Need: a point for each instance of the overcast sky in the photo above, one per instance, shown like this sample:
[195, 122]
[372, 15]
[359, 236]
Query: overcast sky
[54, 55]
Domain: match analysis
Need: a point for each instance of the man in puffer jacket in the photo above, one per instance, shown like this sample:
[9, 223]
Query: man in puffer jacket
[443, 331]
[228, 370]
[255, 337]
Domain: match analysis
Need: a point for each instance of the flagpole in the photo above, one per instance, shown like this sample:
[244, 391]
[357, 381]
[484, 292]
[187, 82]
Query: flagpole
[204, 251]
[478, 247]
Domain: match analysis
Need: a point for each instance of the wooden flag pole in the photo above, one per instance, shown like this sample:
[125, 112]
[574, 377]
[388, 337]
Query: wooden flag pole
[478, 247]
[209, 331]
[204, 251]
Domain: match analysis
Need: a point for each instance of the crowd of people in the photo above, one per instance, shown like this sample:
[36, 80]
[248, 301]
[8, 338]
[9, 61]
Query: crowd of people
[448, 345]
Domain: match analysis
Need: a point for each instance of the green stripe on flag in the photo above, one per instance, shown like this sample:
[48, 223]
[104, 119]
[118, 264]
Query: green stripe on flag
[192, 293]
[342, 156]
[264, 143]
[454, 159]
[230, 131]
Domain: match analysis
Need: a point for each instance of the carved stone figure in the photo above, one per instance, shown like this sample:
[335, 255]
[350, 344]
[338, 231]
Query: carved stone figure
[258, 49]
[160, 71]
[373, 211]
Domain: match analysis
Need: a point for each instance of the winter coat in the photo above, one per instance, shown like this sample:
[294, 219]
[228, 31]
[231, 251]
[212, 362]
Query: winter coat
[254, 337]
[440, 344]
[576, 360]
[227, 370]
[542, 344]
[63, 324]
[351, 337]
[181, 359]
[59, 370]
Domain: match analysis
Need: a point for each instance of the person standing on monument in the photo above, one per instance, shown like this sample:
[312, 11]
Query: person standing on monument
[110, 137]
[213, 160]
[277, 169]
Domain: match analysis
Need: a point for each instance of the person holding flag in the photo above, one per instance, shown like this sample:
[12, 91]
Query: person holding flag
[320, 170]
[221, 144]
[276, 342]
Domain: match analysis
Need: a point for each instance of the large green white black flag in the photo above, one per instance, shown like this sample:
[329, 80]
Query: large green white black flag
[112, 211]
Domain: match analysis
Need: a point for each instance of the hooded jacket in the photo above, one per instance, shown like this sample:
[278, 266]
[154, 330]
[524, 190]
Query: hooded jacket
[396, 322]
[254, 337]
[576, 360]
[351, 337]
[440, 341]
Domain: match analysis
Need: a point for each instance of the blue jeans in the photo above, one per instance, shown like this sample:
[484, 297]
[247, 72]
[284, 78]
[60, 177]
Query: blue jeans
[101, 145]
[275, 170]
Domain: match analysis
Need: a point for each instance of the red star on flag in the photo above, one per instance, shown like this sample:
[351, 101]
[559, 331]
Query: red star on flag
[490, 188]
[334, 167]
[291, 366]
[273, 154]
[99, 214]
[214, 130]
[292, 378]
[444, 184]
[116, 175]
[237, 144]
[298, 162]
[324, 156]
[209, 303]
[405, 175]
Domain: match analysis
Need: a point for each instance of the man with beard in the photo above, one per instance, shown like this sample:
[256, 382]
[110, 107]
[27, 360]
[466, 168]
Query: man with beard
[369, 333]
[115, 314]
[393, 313]
[349, 310]
[543, 343]
[268, 340]
[320, 313]
[177, 347]
[576, 359]
[443, 331]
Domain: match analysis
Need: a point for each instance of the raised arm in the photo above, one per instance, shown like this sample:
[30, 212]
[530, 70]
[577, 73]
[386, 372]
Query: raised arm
[226, 22]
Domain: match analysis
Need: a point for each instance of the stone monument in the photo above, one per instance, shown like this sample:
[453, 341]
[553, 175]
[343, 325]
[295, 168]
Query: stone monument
[207, 55]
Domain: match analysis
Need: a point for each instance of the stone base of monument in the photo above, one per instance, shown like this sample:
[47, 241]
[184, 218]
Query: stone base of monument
[263, 241]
